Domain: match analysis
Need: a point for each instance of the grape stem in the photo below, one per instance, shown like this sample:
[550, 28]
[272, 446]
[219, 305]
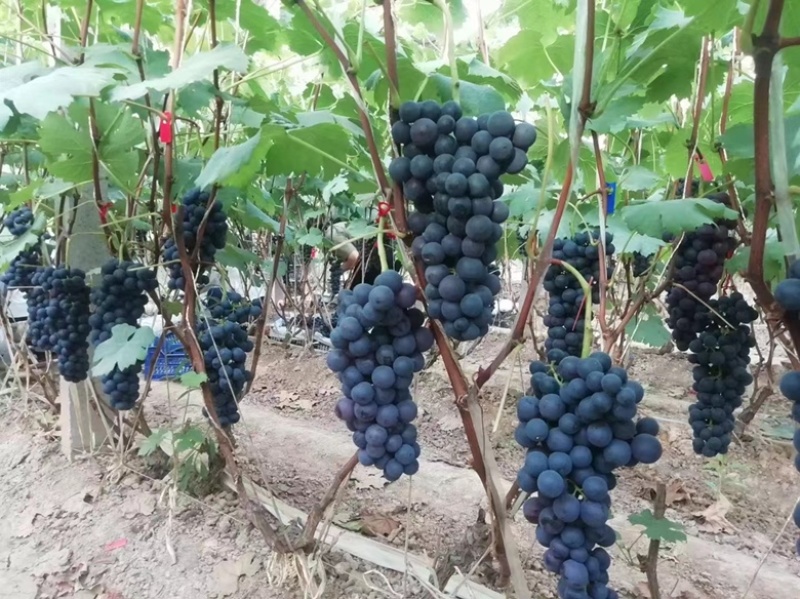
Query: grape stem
[450, 45]
[381, 247]
[587, 298]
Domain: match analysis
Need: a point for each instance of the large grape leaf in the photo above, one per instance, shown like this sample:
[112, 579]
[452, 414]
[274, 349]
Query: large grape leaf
[653, 218]
[126, 346]
[775, 254]
[647, 327]
[662, 529]
[195, 68]
[236, 165]
[69, 146]
[319, 150]
[475, 99]
[38, 92]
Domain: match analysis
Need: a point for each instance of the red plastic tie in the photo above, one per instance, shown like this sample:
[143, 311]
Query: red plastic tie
[383, 209]
[103, 209]
[165, 128]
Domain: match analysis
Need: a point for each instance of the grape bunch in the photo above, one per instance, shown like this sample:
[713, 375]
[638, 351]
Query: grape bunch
[18, 221]
[681, 183]
[787, 292]
[564, 319]
[640, 264]
[120, 298]
[790, 387]
[335, 276]
[378, 344]
[195, 206]
[58, 318]
[225, 346]
[22, 268]
[450, 171]
[579, 426]
[698, 267]
[231, 306]
[720, 354]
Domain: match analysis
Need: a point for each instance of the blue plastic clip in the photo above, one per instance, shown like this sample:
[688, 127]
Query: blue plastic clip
[611, 197]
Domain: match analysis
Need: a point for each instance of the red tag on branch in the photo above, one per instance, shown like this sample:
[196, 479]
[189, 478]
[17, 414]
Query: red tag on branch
[165, 128]
[383, 209]
[103, 209]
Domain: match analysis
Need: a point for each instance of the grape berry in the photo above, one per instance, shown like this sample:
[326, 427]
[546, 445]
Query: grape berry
[790, 387]
[378, 344]
[579, 426]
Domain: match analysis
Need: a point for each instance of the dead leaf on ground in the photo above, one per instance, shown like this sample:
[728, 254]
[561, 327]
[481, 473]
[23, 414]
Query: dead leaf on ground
[713, 519]
[366, 479]
[676, 492]
[379, 525]
[292, 401]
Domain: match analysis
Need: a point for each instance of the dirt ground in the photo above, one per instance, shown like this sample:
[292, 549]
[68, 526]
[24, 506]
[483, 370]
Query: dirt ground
[109, 526]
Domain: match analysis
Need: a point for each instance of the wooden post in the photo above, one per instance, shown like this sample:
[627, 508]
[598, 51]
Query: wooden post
[82, 429]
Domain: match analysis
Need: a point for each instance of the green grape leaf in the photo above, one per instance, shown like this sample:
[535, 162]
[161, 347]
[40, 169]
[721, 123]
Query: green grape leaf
[638, 178]
[38, 93]
[312, 238]
[158, 437]
[126, 346]
[195, 68]
[69, 149]
[193, 379]
[617, 116]
[647, 327]
[316, 150]
[236, 257]
[658, 528]
[191, 438]
[653, 218]
[475, 99]
[235, 165]
[774, 258]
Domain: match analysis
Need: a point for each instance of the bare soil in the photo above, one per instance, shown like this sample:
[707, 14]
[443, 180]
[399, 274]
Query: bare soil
[113, 527]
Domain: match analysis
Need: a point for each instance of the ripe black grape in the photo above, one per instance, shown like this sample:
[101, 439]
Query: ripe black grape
[120, 298]
[335, 278]
[790, 387]
[565, 316]
[450, 172]
[640, 264]
[195, 206]
[378, 344]
[58, 318]
[787, 292]
[721, 354]
[578, 426]
[698, 267]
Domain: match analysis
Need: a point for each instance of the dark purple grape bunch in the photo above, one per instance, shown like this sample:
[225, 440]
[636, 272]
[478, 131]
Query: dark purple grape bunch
[378, 341]
[578, 426]
[565, 314]
[22, 268]
[721, 354]
[195, 206]
[231, 305]
[120, 298]
[699, 264]
[790, 387]
[58, 318]
[450, 171]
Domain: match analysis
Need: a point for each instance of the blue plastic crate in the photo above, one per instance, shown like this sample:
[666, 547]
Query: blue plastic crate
[170, 363]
